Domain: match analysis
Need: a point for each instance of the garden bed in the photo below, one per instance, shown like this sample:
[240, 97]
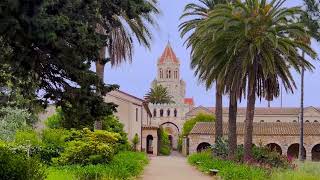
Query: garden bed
[125, 165]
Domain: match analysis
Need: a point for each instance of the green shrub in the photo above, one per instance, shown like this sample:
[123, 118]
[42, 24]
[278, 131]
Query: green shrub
[55, 120]
[124, 165]
[227, 169]
[27, 137]
[17, 166]
[86, 147]
[189, 124]
[11, 120]
[135, 142]
[164, 144]
[179, 146]
[112, 124]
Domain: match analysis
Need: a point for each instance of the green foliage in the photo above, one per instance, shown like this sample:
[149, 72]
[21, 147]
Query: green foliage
[189, 124]
[135, 142]
[112, 124]
[55, 120]
[17, 166]
[124, 165]
[11, 120]
[159, 95]
[179, 147]
[27, 137]
[88, 147]
[305, 171]
[221, 148]
[164, 144]
[227, 169]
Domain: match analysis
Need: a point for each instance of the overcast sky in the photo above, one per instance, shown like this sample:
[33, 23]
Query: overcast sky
[135, 78]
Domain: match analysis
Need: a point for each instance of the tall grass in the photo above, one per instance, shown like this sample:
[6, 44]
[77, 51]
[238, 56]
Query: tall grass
[304, 171]
[125, 165]
[227, 169]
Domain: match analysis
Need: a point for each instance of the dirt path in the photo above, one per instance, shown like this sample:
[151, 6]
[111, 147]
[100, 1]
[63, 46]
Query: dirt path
[173, 167]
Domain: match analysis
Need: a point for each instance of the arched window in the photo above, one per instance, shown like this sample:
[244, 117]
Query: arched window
[307, 121]
[169, 74]
[168, 112]
[175, 112]
[315, 121]
[294, 121]
[161, 112]
[154, 113]
[278, 121]
[262, 121]
[161, 74]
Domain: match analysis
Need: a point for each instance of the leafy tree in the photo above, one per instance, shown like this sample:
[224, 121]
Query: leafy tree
[12, 120]
[190, 123]
[254, 45]
[158, 95]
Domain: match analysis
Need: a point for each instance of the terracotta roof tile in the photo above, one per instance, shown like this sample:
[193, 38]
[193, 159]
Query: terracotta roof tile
[261, 129]
[189, 101]
[168, 55]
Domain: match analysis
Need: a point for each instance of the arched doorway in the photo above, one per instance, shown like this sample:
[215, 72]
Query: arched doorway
[315, 153]
[173, 133]
[203, 146]
[293, 151]
[150, 144]
[274, 147]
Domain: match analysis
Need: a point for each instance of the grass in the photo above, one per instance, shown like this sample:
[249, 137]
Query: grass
[125, 165]
[227, 169]
[305, 171]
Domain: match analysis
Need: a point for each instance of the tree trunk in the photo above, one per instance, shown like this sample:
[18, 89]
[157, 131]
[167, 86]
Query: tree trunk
[249, 121]
[218, 113]
[232, 125]
[100, 72]
[301, 151]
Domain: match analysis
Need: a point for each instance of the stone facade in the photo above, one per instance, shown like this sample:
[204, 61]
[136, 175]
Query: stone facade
[170, 116]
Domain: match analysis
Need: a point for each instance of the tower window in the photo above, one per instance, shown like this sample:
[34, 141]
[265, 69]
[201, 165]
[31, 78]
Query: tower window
[169, 74]
[137, 114]
[294, 121]
[261, 121]
[154, 113]
[161, 112]
[161, 74]
[278, 121]
[315, 121]
[175, 112]
[168, 112]
[307, 121]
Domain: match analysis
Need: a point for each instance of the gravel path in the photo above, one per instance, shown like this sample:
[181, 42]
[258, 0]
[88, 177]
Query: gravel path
[173, 167]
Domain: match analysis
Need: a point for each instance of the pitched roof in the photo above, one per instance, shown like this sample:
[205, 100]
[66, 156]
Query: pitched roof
[189, 101]
[168, 55]
[260, 129]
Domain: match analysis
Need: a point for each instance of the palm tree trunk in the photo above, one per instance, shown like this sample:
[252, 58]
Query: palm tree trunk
[100, 72]
[218, 113]
[301, 151]
[249, 121]
[232, 125]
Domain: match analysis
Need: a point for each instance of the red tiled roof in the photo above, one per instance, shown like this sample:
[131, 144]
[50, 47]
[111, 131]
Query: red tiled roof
[168, 55]
[189, 101]
[261, 129]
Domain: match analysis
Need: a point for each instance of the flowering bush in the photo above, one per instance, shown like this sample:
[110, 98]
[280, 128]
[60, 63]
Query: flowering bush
[88, 147]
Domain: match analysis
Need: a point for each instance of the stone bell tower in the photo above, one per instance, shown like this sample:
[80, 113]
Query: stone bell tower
[168, 75]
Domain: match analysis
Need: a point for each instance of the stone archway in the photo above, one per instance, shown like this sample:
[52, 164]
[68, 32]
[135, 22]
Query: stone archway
[203, 146]
[173, 132]
[315, 153]
[149, 144]
[293, 151]
[274, 147]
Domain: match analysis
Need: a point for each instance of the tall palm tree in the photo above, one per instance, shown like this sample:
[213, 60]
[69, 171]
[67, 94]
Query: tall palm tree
[198, 13]
[120, 29]
[158, 95]
[251, 46]
[311, 19]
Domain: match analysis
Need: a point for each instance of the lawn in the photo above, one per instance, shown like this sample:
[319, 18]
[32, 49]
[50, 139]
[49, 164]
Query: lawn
[125, 165]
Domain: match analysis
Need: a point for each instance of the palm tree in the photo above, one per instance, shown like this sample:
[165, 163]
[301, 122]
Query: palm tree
[119, 29]
[158, 95]
[198, 13]
[311, 20]
[250, 46]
